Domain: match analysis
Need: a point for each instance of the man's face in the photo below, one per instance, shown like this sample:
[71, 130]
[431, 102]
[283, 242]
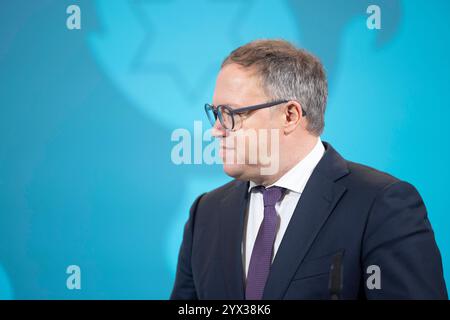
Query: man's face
[238, 87]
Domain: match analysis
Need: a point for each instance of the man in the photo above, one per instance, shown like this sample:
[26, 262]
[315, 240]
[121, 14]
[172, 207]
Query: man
[317, 227]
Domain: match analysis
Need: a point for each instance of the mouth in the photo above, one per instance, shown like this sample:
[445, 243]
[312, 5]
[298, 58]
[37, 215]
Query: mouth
[225, 148]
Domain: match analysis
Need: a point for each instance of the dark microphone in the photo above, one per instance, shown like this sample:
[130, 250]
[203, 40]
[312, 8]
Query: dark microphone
[336, 277]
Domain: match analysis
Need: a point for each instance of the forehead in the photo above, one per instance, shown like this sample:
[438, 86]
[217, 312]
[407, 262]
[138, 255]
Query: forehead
[237, 86]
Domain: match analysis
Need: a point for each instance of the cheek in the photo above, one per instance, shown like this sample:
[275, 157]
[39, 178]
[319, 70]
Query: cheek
[248, 143]
[259, 120]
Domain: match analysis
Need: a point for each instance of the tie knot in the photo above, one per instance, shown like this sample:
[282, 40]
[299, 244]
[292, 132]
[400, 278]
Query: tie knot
[271, 195]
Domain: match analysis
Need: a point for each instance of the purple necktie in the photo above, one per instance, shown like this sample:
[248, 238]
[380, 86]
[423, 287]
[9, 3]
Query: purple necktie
[261, 259]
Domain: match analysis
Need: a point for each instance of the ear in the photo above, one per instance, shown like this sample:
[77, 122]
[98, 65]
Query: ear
[293, 117]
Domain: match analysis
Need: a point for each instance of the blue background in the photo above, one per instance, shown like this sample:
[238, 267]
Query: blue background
[86, 118]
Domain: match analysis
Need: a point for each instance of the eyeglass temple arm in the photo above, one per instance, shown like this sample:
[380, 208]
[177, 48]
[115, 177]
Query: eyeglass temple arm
[262, 106]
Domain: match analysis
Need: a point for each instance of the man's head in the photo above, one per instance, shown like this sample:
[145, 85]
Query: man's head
[264, 71]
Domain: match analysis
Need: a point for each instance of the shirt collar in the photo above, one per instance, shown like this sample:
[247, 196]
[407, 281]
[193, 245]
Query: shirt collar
[296, 178]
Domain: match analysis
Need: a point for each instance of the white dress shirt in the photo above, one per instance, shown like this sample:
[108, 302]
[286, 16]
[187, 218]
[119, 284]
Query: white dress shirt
[294, 181]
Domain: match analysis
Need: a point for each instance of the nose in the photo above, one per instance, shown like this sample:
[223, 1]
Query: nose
[218, 130]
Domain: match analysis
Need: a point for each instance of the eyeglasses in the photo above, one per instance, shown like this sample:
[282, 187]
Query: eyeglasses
[226, 114]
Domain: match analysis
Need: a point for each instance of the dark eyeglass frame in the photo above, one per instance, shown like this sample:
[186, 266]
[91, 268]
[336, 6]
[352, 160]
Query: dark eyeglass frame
[232, 112]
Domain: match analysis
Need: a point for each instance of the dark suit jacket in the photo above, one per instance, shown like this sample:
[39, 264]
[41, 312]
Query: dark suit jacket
[369, 216]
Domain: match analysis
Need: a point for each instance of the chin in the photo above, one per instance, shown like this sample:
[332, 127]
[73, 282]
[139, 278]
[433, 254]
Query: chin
[234, 170]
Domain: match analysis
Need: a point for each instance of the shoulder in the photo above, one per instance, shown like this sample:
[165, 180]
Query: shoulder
[211, 200]
[357, 177]
[363, 175]
[368, 183]
[222, 191]
[372, 185]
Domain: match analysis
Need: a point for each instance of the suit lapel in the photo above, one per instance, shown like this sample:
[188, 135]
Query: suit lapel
[316, 203]
[232, 212]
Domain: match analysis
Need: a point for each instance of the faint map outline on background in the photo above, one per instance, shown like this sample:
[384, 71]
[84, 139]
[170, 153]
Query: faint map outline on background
[88, 125]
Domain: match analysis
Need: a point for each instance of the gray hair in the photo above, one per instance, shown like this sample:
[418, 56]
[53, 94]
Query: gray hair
[287, 72]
